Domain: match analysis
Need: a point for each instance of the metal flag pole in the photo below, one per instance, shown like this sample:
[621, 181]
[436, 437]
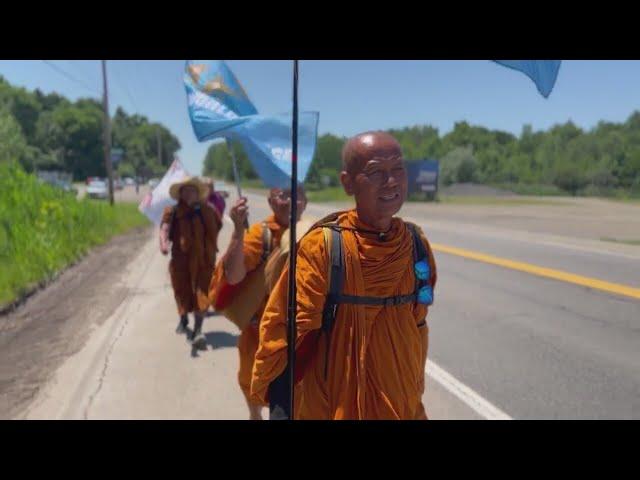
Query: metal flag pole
[236, 175]
[292, 333]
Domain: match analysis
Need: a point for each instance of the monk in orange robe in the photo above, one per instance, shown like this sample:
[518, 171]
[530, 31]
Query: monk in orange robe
[192, 228]
[371, 365]
[245, 254]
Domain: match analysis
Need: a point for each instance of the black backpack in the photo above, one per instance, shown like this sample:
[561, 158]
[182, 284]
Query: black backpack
[335, 296]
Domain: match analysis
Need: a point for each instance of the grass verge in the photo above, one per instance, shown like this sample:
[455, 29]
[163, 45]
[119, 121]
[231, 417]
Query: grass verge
[43, 230]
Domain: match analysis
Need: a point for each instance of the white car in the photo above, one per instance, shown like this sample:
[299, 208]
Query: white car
[153, 183]
[129, 181]
[98, 189]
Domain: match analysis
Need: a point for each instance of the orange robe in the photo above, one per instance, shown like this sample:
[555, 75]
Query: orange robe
[377, 355]
[193, 255]
[221, 292]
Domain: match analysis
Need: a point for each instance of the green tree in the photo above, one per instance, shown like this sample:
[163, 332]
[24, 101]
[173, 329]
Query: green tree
[12, 142]
[570, 178]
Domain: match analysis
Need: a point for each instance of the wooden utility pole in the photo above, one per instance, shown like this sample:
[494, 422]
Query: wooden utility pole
[107, 130]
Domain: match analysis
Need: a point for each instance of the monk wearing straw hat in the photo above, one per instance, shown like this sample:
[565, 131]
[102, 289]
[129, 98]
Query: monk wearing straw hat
[192, 228]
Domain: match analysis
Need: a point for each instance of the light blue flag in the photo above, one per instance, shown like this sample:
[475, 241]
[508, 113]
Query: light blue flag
[267, 142]
[543, 72]
[219, 107]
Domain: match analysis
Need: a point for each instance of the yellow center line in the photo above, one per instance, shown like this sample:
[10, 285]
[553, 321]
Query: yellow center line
[541, 271]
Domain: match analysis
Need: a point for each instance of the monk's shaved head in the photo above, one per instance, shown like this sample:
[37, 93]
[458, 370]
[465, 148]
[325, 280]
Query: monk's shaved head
[374, 173]
[363, 147]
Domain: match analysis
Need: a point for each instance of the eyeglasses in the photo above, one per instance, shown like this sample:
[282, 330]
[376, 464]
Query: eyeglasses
[379, 177]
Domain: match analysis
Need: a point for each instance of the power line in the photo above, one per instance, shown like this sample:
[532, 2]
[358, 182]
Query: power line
[86, 72]
[122, 84]
[70, 77]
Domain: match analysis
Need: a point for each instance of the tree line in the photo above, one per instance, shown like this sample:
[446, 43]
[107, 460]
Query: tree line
[565, 158]
[49, 132]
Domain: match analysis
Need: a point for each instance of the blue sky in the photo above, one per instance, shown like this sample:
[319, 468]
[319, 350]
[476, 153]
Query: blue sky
[353, 96]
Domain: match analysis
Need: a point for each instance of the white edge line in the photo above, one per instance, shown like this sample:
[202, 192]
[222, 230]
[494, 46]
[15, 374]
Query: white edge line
[472, 399]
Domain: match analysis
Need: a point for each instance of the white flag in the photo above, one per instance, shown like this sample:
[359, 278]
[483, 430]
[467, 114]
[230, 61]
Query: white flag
[154, 202]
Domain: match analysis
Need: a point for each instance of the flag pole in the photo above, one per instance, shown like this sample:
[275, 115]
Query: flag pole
[236, 175]
[292, 303]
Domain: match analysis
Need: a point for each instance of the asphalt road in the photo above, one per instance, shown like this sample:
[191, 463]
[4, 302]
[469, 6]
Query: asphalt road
[536, 347]
[504, 343]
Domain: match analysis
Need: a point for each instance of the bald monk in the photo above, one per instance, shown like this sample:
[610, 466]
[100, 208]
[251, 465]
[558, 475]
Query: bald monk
[371, 363]
[244, 254]
[192, 227]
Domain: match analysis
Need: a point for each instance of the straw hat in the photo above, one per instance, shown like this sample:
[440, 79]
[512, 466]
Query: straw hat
[174, 190]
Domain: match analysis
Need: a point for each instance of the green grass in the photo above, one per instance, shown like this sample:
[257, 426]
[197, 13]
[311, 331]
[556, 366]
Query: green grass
[616, 240]
[254, 183]
[43, 230]
[533, 190]
[631, 200]
[337, 194]
[497, 201]
[331, 194]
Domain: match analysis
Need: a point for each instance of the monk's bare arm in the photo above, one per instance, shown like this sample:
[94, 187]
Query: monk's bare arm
[164, 231]
[164, 238]
[233, 261]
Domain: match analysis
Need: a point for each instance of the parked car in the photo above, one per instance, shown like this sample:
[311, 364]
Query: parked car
[153, 183]
[118, 184]
[98, 189]
[128, 181]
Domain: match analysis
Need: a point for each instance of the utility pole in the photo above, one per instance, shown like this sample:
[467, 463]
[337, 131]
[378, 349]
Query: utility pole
[107, 130]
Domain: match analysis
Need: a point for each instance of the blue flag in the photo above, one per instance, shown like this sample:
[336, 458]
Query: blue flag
[219, 107]
[267, 143]
[543, 72]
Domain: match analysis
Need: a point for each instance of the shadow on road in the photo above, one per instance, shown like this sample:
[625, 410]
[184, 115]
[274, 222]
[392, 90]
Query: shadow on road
[221, 339]
[215, 340]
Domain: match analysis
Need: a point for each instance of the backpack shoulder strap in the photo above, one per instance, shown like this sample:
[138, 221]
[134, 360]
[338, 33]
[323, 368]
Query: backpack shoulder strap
[419, 250]
[335, 276]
